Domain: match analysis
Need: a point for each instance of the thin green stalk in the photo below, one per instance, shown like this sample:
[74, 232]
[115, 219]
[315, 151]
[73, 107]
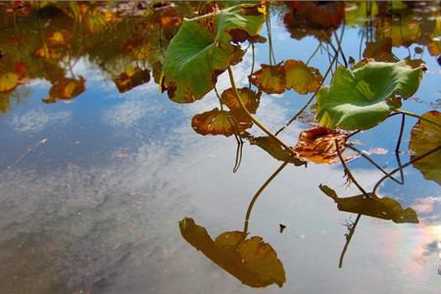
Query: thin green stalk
[253, 119]
[261, 189]
[418, 116]
[298, 113]
[415, 159]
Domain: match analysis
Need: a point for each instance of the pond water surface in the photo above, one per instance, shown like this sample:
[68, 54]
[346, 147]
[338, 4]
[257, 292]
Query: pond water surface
[93, 186]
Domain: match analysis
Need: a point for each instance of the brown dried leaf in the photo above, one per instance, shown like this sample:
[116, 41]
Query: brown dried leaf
[219, 122]
[318, 145]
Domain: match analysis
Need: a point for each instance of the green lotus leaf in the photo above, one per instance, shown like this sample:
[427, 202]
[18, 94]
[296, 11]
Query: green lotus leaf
[203, 48]
[426, 136]
[363, 97]
[374, 206]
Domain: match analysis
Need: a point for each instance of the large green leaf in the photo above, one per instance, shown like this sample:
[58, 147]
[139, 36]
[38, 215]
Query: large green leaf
[363, 97]
[426, 136]
[203, 48]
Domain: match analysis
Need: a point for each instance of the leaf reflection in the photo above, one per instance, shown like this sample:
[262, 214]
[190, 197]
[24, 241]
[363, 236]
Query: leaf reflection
[251, 260]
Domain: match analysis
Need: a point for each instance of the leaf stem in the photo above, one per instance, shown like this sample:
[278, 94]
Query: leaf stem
[348, 240]
[348, 172]
[415, 159]
[310, 100]
[417, 116]
[261, 189]
[255, 120]
[372, 162]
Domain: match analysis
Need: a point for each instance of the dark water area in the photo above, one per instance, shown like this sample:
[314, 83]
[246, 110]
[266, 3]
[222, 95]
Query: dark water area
[109, 151]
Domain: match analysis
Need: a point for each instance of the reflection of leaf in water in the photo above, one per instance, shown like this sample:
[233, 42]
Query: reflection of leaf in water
[65, 89]
[131, 78]
[302, 78]
[361, 98]
[219, 122]
[8, 81]
[270, 79]
[276, 150]
[252, 261]
[384, 208]
[316, 19]
[380, 50]
[249, 98]
[358, 13]
[202, 49]
[318, 145]
[426, 136]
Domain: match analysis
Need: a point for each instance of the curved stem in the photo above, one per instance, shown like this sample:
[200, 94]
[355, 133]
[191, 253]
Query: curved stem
[372, 162]
[253, 60]
[377, 185]
[418, 116]
[267, 182]
[348, 172]
[296, 115]
[253, 119]
[313, 53]
[348, 240]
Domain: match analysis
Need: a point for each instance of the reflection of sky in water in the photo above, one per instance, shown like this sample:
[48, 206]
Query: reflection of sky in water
[99, 202]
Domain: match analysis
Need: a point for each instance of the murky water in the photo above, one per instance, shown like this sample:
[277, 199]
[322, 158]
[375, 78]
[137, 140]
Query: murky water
[92, 186]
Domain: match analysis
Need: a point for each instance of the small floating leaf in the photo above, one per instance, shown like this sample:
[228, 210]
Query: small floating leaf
[270, 79]
[302, 78]
[318, 145]
[384, 208]
[252, 261]
[426, 136]
[219, 122]
[363, 97]
[249, 98]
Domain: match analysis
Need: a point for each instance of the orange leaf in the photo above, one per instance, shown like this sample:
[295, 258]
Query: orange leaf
[270, 79]
[318, 145]
[219, 122]
[249, 98]
[302, 78]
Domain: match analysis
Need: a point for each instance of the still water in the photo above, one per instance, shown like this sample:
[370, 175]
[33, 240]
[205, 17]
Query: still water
[93, 186]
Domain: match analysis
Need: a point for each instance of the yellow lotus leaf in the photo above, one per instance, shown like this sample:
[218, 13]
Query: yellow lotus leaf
[8, 81]
[302, 78]
[318, 145]
[248, 97]
[219, 122]
[252, 261]
[426, 136]
[270, 79]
